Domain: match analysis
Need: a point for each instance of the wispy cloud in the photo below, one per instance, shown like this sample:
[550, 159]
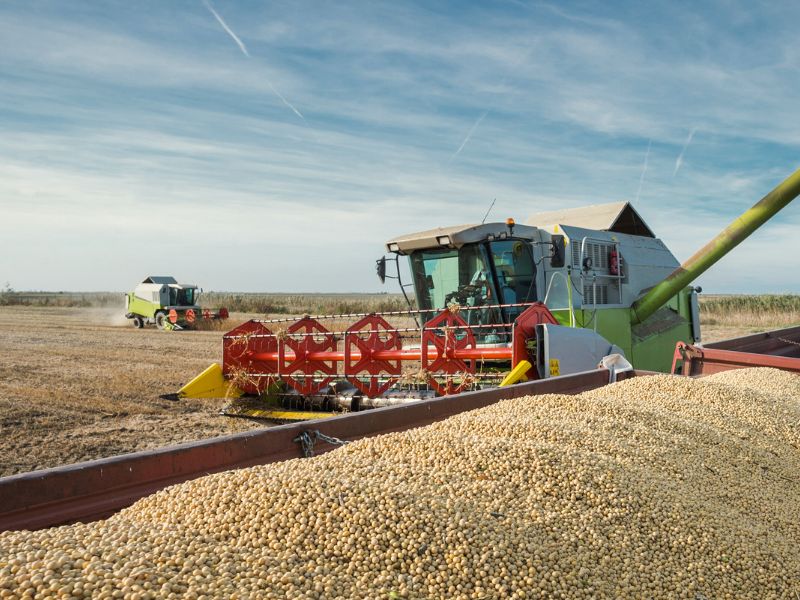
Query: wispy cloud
[679, 160]
[227, 29]
[469, 134]
[393, 87]
[644, 170]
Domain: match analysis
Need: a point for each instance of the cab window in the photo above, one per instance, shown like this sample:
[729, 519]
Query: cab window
[449, 276]
[516, 272]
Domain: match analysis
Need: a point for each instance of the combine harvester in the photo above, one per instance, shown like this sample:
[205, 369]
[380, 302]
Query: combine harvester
[497, 303]
[96, 489]
[167, 304]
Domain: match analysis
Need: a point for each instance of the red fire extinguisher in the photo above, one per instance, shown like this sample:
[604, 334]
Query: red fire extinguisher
[614, 262]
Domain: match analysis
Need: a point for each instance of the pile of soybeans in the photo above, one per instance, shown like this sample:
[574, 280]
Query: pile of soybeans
[655, 487]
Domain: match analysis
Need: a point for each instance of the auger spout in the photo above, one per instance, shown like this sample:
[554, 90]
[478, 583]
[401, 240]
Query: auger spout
[727, 240]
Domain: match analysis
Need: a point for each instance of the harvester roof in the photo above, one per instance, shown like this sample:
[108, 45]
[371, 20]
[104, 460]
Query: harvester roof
[620, 217]
[160, 280]
[454, 236]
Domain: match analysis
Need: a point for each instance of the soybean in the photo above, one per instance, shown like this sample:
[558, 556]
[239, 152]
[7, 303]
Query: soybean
[654, 487]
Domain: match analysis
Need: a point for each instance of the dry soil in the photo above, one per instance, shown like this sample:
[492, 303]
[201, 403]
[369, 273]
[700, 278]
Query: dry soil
[78, 384]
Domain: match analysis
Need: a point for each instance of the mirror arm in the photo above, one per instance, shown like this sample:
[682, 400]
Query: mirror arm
[402, 285]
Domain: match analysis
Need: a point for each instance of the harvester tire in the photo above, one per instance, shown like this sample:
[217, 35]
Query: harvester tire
[138, 323]
[161, 320]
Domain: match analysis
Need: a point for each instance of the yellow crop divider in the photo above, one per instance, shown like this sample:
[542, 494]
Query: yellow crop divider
[211, 383]
[517, 373]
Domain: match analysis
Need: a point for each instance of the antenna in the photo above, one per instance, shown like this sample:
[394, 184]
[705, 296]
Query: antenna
[488, 211]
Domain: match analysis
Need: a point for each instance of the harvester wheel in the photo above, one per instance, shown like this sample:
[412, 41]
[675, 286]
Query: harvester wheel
[138, 323]
[161, 320]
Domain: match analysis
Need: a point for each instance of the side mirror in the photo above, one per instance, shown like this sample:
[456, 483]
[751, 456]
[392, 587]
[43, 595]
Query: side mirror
[380, 267]
[558, 251]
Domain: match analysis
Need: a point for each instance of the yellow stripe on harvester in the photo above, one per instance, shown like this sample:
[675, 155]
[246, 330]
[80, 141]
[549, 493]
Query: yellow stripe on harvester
[284, 415]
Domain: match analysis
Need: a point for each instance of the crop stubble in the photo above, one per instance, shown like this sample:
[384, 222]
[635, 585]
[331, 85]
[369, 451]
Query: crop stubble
[79, 384]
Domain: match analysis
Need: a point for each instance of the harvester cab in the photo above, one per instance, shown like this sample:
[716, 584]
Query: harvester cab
[487, 268]
[495, 303]
[167, 304]
[586, 266]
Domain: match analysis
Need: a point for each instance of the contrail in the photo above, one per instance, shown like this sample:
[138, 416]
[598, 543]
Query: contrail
[512, 68]
[243, 48]
[644, 170]
[227, 29]
[469, 135]
[284, 100]
[679, 160]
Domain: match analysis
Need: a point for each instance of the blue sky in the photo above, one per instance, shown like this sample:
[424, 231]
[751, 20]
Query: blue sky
[275, 146]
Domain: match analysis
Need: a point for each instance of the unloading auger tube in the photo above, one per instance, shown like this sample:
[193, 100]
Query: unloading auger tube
[727, 240]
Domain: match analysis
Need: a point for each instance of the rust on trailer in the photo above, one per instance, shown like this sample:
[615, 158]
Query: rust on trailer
[778, 349]
[96, 489]
[780, 342]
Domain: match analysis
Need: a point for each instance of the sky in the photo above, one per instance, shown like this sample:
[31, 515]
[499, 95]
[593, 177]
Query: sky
[276, 146]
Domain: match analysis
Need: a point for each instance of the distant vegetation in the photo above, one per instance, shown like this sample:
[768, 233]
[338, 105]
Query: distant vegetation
[745, 310]
[311, 304]
[10, 297]
[273, 304]
[772, 310]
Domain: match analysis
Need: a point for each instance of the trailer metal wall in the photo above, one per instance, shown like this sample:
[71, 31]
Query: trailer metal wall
[96, 489]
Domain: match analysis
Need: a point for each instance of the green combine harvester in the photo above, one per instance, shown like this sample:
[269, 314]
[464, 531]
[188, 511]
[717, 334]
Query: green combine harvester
[495, 303]
[167, 304]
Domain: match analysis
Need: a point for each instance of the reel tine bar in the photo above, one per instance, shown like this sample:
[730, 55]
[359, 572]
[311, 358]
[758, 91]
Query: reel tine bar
[239, 363]
[447, 332]
[367, 336]
[304, 337]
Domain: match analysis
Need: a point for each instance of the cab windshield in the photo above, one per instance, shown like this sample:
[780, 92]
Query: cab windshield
[516, 274]
[476, 275]
[182, 297]
[448, 276]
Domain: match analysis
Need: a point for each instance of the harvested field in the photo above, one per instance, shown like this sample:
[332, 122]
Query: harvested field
[78, 383]
[81, 383]
[655, 487]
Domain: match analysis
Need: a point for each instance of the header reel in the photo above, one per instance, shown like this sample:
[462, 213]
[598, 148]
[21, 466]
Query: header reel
[372, 363]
